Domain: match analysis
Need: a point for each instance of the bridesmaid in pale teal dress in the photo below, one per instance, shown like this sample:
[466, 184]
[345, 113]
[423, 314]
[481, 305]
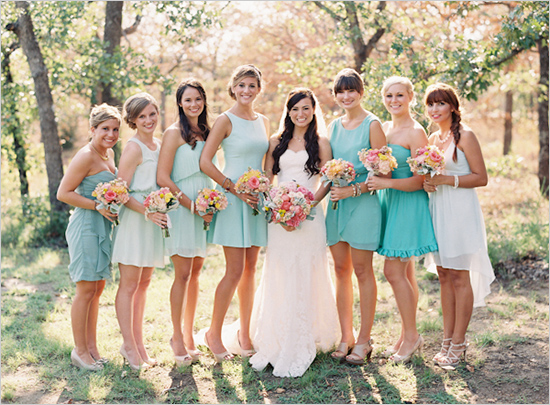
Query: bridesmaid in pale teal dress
[138, 245]
[243, 136]
[179, 170]
[407, 230]
[353, 229]
[89, 231]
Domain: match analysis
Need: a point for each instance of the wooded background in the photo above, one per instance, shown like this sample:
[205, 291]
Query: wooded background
[61, 58]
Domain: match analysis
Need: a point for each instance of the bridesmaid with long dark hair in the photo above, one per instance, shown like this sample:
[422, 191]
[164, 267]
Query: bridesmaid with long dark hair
[179, 170]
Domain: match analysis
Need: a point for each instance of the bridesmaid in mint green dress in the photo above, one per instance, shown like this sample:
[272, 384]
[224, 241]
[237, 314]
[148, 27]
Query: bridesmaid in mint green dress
[179, 170]
[353, 229]
[89, 231]
[407, 230]
[243, 136]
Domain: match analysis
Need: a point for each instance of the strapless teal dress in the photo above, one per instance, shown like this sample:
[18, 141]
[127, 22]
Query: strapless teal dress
[407, 228]
[89, 236]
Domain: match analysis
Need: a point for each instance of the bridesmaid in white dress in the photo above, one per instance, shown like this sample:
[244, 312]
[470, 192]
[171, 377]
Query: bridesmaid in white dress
[138, 245]
[463, 265]
[294, 312]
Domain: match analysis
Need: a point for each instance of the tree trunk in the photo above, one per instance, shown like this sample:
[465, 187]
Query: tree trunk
[508, 108]
[543, 118]
[13, 125]
[24, 30]
[111, 40]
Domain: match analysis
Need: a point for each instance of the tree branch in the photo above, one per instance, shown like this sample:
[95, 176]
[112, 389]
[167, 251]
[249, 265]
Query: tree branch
[329, 11]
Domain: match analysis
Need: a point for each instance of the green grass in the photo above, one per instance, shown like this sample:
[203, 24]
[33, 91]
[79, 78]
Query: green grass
[36, 338]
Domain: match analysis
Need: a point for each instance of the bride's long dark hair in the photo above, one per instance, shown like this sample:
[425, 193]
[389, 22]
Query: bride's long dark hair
[311, 136]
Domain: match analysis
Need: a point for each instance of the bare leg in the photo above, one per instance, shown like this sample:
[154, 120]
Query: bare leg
[139, 310]
[234, 267]
[245, 292]
[92, 320]
[362, 263]
[411, 276]
[396, 274]
[182, 271]
[190, 305]
[124, 305]
[85, 292]
[464, 303]
[341, 255]
[448, 300]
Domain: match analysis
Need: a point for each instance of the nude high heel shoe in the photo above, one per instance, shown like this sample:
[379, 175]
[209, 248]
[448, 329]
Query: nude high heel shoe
[445, 345]
[359, 352]
[184, 360]
[219, 357]
[396, 358]
[455, 353]
[77, 361]
[132, 366]
[342, 351]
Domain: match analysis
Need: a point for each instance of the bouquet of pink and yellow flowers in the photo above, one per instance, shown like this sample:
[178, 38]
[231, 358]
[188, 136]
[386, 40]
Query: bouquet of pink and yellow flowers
[162, 201]
[339, 172]
[253, 182]
[428, 160]
[378, 161]
[210, 201]
[112, 196]
[289, 204]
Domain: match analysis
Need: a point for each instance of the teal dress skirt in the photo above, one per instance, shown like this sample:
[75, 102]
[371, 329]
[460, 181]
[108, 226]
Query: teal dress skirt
[407, 229]
[245, 147]
[187, 235]
[357, 220]
[89, 236]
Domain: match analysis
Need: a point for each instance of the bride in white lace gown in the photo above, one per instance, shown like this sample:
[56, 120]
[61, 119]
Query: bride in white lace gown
[295, 313]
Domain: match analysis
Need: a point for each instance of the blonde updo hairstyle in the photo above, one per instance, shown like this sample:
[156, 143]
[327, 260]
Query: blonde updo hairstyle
[135, 105]
[240, 73]
[103, 112]
[390, 81]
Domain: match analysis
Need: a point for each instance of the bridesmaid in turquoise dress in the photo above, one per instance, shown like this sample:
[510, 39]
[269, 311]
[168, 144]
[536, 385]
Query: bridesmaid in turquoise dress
[179, 170]
[138, 245]
[407, 230]
[89, 231]
[353, 229]
[243, 136]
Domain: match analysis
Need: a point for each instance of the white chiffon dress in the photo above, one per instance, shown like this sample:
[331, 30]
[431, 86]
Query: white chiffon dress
[460, 230]
[294, 314]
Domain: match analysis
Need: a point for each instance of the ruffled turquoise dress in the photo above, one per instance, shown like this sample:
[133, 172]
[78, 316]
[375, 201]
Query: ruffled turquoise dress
[407, 228]
[245, 147]
[357, 220]
[89, 236]
[137, 242]
[187, 235]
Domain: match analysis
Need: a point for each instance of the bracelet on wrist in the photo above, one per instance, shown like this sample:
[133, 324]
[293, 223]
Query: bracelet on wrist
[223, 184]
[457, 182]
[192, 207]
[359, 192]
[354, 189]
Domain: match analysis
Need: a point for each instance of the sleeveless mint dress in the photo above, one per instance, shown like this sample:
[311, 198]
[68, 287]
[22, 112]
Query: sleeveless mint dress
[357, 220]
[407, 228]
[89, 236]
[246, 146]
[138, 242]
[187, 236]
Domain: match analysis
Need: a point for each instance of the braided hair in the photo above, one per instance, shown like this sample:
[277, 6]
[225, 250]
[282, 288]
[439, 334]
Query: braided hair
[443, 92]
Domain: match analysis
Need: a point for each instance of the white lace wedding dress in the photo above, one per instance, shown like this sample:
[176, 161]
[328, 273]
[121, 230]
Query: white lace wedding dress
[294, 313]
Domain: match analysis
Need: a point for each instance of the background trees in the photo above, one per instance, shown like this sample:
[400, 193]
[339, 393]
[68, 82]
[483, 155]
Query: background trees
[104, 51]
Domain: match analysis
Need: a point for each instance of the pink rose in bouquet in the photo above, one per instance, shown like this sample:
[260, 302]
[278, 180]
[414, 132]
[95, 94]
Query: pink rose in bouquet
[289, 204]
[112, 196]
[252, 182]
[378, 161]
[210, 201]
[339, 172]
[162, 201]
[428, 160]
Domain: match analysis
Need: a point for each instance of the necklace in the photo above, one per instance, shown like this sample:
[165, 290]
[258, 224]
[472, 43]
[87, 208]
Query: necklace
[298, 139]
[100, 155]
[444, 139]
